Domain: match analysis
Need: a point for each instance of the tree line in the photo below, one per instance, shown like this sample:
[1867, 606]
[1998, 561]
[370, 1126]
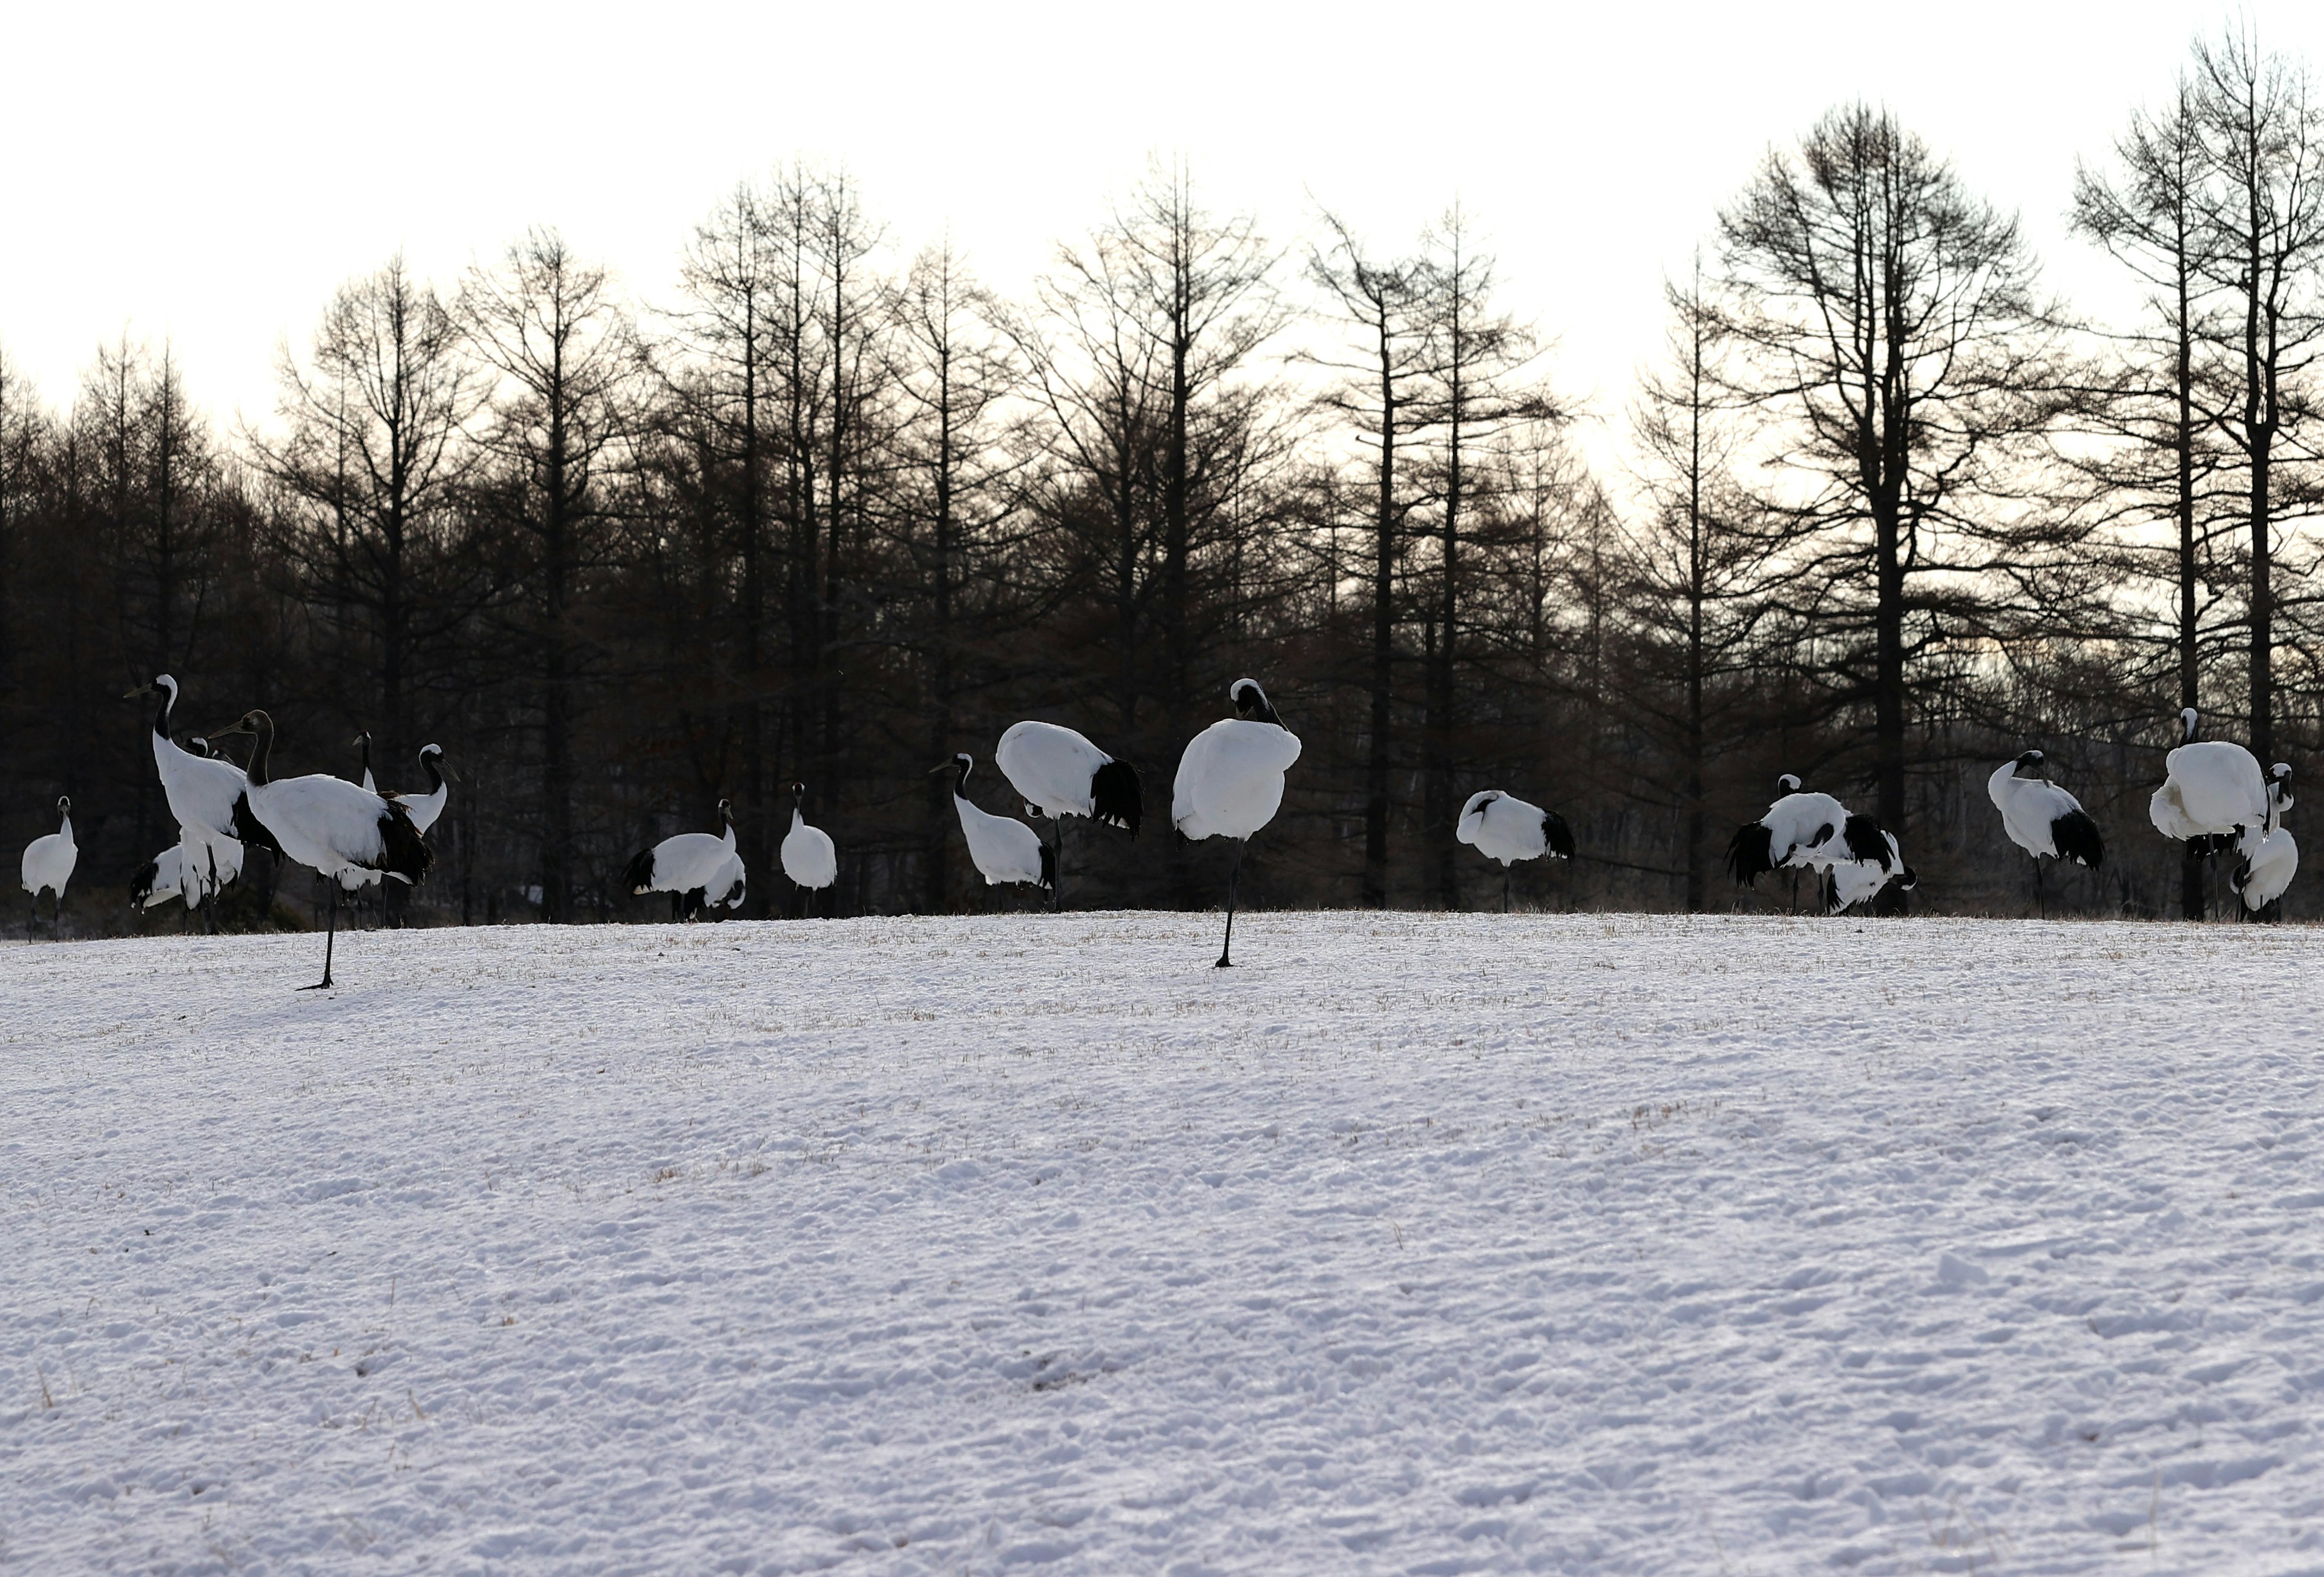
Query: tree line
[1883, 512]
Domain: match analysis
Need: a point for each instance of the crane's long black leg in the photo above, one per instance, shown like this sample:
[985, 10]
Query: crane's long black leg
[1234, 879]
[1505, 887]
[1058, 865]
[330, 939]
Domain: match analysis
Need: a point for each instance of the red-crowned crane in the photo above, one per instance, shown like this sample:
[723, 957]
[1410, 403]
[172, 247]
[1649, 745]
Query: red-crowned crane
[1230, 782]
[2214, 797]
[2044, 819]
[1861, 877]
[1060, 773]
[810, 859]
[210, 801]
[697, 870]
[1003, 849]
[2262, 876]
[328, 823]
[1501, 826]
[49, 863]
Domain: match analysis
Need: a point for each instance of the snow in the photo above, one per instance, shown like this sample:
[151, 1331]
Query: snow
[1418, 1243]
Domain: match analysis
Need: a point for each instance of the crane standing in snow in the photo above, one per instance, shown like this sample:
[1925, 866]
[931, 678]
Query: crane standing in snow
[810, 859]
[1503, 828]
[2213, 797]
[210, 801]
[2044, 819]
[1060, 773]
[1003, 849]
[424, 809]
[2262, 876]
[1793, 835]
[1815, 832]
[697, 870]
[1230, 782]
[49, 863]
[329, 824]
[1860, 878]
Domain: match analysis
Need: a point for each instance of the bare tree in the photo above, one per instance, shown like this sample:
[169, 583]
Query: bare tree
[1699, 562]
[2163, 452]
[954, 495]
[2264, 206]
[1886, 323]
[374, 455]
[1477, 362]
[1379, 378]
[565, 358]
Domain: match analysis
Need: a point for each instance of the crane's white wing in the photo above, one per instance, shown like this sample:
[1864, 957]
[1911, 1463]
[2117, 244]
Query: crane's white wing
[1050, 766]
[1229, 781]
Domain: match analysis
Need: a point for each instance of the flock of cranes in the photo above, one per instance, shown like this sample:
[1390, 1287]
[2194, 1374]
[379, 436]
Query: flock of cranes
[2214, 800]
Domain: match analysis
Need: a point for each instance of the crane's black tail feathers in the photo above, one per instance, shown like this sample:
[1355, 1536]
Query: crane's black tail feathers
[640, 875]
[1867, 840]
[1557, 835]
[1115, 797]
[402, 854]
[2076, 836]
[1750, 853]
[141, 886]
[250, 831]
[1048, 866]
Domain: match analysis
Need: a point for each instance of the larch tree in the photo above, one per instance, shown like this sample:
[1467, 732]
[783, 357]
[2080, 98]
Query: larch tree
[2160, 455]
[2262, 205]
[564, 355]
[1378, 373]
[1699, 559]
[373, 456]
[1478, 359]
[1884, 324]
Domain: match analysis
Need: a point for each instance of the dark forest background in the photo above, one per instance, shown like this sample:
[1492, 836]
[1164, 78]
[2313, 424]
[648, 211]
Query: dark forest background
[1885, 513]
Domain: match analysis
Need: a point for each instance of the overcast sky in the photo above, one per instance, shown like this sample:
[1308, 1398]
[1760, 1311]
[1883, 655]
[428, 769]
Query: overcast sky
[210, 173]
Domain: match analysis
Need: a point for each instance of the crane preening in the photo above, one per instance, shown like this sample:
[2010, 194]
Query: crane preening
[1501, 826]
[1003, 849]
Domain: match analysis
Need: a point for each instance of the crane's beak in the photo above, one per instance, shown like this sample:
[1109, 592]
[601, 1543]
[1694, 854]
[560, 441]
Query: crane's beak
[235, 728]
[941, 767]
[140, 690]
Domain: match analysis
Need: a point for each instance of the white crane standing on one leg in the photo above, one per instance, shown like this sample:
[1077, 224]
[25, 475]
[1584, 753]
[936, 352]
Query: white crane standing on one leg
[329, 824]
[1230, 782]
[1501, 826]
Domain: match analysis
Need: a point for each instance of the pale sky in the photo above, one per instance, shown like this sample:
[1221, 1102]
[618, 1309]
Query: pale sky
[211, 173]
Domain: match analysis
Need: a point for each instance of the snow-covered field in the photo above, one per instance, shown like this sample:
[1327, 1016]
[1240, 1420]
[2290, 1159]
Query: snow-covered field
[1420, 1243]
